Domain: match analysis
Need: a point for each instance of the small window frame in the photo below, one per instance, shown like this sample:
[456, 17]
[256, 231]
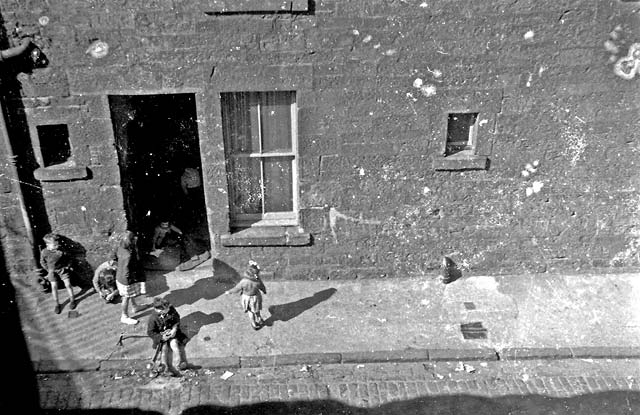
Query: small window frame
[468, 149]
[41, 129]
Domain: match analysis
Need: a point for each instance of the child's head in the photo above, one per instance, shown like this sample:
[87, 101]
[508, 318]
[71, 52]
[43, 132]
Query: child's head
[253, 270]
[128, 241]
[52, 240]
[161, 305]
[165, 224]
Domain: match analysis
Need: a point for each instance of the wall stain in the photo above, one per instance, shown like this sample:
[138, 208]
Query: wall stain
[334, 215]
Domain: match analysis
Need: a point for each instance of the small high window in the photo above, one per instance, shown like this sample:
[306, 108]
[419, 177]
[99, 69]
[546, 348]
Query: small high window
[462, 130]
[54, 144]
[259, 130]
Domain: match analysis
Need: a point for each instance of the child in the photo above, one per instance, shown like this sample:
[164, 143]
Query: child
[104, 279]
[250, 287]
[164, 329]
[162, 235]
[130, 278]
[57, 263]
[167, 234]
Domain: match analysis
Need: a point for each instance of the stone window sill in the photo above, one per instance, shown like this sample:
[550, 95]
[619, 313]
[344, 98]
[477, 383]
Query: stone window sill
[61, 173]
[267, 236]
[461, 162]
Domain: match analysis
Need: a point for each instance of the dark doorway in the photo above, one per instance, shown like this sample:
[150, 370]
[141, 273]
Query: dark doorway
[157, 139]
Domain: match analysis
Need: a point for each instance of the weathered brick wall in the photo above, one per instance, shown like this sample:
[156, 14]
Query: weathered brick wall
[374, 80]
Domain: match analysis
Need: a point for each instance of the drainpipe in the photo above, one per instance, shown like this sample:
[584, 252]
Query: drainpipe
[5, 55]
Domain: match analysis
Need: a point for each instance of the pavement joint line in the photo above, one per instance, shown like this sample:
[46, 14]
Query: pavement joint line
[380, 356]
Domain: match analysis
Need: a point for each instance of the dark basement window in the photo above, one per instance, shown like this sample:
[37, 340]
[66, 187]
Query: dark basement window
[459, 150]
[462, 129]
[54, 144]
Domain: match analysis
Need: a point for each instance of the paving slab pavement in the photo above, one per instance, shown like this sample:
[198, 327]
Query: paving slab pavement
[509, 317]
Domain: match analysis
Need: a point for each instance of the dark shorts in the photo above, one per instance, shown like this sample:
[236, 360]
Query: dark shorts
[62, 275]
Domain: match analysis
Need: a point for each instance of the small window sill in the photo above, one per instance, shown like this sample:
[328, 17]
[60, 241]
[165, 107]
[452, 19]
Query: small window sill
[61, 173]
[267, 236]
[461, 161]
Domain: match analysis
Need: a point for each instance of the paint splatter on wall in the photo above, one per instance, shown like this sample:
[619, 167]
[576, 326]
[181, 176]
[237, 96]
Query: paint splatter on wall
[626, 67]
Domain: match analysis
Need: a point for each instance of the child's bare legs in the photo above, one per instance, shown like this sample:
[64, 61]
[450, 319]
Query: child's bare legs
[54, 294]
[255, 319]
[125, 312]
[67, 284]
[174, 347]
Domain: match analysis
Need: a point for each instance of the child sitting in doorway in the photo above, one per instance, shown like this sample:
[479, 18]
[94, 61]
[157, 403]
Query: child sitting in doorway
[164, 235]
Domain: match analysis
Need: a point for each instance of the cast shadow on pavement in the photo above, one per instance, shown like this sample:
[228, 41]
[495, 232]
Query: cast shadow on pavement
[223, 278]
[102, 411]
[609, 403]
[192, 323]
[285, 312]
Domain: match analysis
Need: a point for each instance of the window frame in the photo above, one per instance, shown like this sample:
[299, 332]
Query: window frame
[42, 130]
[265, 219]
[472, 139]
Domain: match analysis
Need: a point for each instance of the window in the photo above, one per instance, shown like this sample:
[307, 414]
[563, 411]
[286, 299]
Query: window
[54, 144]
[259, 130]
[461, 133]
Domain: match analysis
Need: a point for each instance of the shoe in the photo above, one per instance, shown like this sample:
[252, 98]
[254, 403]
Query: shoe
[183, 366]
[128, 320]
[57, 309]
[174, 373]
[72, 305]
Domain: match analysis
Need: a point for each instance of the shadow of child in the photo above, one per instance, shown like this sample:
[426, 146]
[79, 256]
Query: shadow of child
[82, 273]
[192, 323]
[224, 277]
[285, 312]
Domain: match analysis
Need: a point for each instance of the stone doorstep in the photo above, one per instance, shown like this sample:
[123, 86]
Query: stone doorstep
[381, 356]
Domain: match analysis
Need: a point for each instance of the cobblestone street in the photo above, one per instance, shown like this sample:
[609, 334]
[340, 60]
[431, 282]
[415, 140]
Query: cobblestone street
[572, 386]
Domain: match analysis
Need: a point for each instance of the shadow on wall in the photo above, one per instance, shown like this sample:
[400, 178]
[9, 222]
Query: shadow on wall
[20, 143]
[82, 269]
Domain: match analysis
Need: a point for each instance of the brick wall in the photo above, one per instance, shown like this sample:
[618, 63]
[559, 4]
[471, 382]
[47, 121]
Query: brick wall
[374, 81]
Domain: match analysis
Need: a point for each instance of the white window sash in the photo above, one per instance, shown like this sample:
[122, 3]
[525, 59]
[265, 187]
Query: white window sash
[288, 218]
